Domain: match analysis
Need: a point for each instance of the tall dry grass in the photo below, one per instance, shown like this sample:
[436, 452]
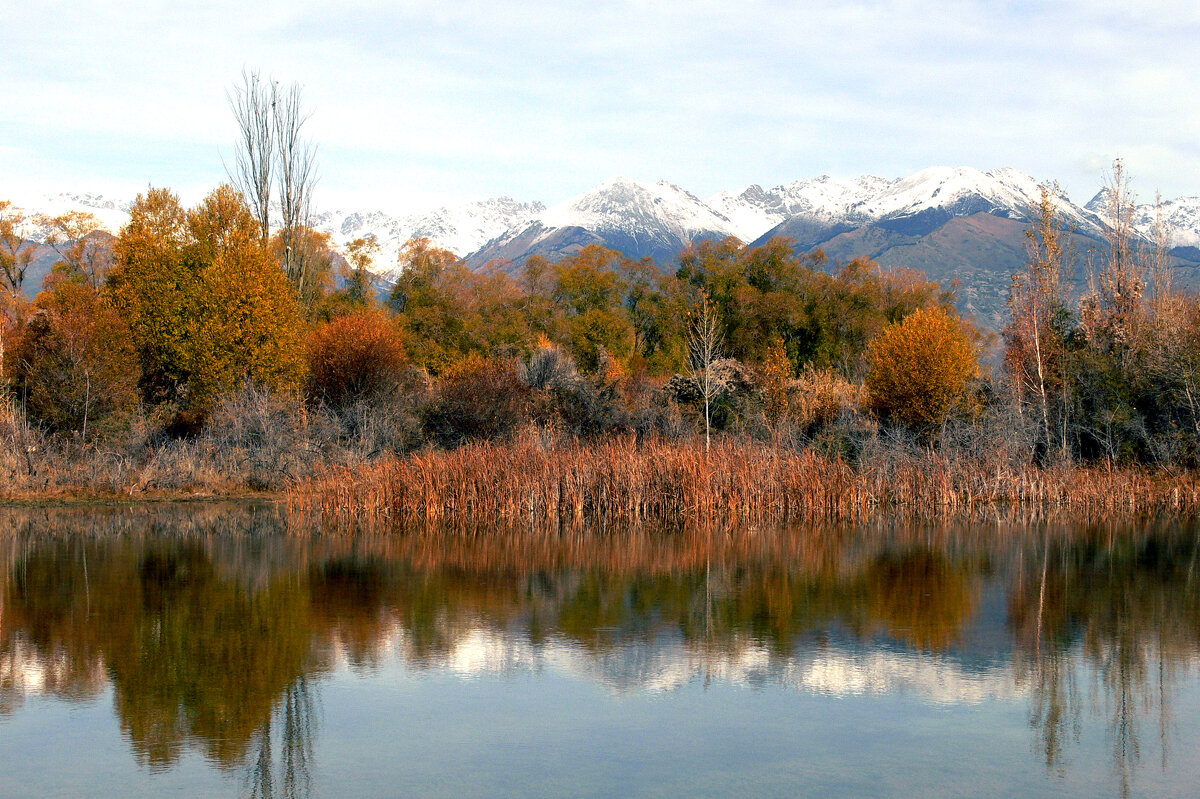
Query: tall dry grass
[625, 481]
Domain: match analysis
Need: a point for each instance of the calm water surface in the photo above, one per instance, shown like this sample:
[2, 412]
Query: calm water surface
[205, 650]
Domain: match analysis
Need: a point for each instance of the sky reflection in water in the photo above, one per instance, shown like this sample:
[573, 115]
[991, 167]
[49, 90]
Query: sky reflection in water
[208, 650]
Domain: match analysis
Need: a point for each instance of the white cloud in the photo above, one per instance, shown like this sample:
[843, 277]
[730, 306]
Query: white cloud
[424, 100]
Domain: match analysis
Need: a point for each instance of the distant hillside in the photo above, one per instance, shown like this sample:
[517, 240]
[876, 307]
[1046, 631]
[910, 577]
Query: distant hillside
[962, 226]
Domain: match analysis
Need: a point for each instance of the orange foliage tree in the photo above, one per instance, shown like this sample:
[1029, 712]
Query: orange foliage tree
[919, 369]
[74, 364]
[356, 356]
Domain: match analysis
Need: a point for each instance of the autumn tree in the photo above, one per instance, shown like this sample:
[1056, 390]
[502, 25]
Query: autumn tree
[16, 251]
[1112, 311]
[205, 303]
[83, 245]
[358, 356]
[776, 374]
[253, 329]
[432, 295]
[315, 250]
[361, 254]
[919, 369]
[1036, 336]
[76, 369]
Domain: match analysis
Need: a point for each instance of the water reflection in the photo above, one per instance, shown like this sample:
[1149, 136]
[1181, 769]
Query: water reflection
[213, 627]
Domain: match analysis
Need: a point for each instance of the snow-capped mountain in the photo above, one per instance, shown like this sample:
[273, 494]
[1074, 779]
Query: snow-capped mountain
[827, 203]
[962, 191]
[755, 210]
[1180, 218]
[956, 223]
[461, 229]
[636, 218]
[111, 213]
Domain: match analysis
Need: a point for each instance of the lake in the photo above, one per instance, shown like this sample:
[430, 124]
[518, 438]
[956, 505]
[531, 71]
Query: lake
[223, 650]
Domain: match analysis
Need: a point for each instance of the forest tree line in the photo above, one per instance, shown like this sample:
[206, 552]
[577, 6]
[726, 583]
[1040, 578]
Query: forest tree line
[189, 317]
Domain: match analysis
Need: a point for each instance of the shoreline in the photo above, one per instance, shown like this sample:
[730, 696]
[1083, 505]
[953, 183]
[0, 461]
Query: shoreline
[740, 482]
[84, 499]
[625, 481]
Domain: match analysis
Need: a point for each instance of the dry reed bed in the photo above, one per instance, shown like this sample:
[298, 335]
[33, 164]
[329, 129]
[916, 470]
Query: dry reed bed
[624, 481]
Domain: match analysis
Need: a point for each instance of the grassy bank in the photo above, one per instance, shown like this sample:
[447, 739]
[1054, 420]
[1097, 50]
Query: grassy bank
[624, 481]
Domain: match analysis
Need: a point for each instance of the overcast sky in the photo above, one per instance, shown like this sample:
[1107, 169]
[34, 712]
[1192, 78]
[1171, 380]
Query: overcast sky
[420, 103]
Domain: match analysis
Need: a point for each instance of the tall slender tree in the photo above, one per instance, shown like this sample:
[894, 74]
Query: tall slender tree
[1035, 336]
[254, 105]
[704, 350]
[275, 168]
[296, 160]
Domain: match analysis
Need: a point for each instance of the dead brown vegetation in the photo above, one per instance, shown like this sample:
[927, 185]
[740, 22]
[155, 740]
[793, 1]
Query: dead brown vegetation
[626, 481]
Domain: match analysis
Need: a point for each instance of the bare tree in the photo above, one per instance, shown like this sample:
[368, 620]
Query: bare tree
[1036, 299]
[253, 105]
[296, 159]
[704, 350]
[1160, 259]
[275, 160]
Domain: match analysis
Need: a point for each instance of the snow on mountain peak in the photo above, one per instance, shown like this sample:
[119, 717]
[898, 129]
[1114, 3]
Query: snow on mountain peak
[112, 214]
[461, 229]
[631, 207]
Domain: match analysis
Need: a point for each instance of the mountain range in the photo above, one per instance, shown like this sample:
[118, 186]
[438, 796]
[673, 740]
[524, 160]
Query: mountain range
[962, 226]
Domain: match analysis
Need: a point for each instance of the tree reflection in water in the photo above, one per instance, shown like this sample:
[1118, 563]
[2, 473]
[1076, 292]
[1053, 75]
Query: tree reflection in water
[213, 627]
[1128, 607]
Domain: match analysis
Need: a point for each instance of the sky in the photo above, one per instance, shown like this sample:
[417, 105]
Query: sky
[418, 104]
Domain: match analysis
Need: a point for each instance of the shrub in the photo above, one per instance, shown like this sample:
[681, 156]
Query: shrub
[476, 399]
[819, 397]
[918, 370]
[357, 357]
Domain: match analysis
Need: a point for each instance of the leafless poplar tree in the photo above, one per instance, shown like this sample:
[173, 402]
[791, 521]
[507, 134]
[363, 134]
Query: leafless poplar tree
[1036, 298]
[253, 105]
[1160, 258]
[275, 160]
[704, 350]
[296, 161]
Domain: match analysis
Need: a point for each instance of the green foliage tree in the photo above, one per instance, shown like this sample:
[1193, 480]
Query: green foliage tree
[590, 292]
[767, 294]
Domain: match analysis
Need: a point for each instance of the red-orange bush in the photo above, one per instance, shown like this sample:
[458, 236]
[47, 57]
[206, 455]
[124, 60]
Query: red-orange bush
[357, 356]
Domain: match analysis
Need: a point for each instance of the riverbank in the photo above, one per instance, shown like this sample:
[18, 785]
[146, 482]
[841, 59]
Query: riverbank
[539, 479]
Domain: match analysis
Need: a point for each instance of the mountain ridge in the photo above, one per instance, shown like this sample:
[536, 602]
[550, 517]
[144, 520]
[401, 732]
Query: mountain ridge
[961, 225]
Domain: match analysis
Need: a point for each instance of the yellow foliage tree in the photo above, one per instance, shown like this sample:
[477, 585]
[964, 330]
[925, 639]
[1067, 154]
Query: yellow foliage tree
[207, 306]
[918, 370]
